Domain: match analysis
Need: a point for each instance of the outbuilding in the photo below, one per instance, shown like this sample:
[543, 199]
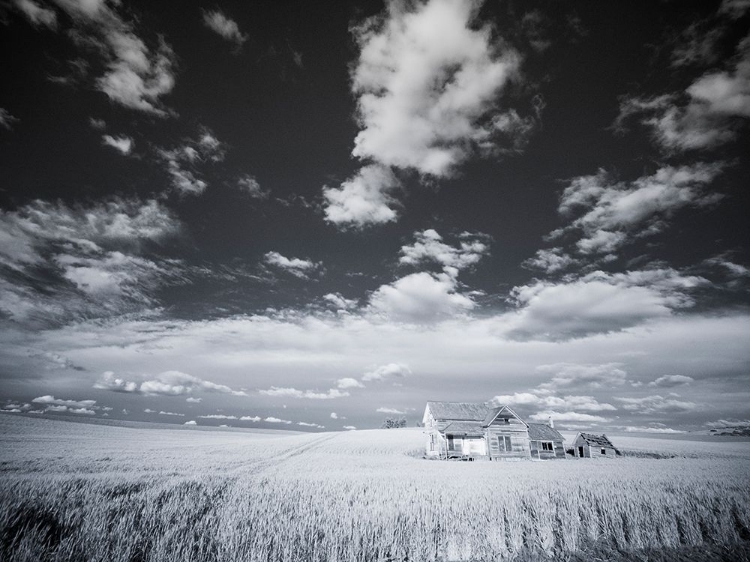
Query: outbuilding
[590, 445]
[545, 442]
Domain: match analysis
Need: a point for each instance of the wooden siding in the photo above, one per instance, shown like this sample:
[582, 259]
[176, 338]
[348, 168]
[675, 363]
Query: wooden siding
[519, 440]
[537, 452]
[590, 451]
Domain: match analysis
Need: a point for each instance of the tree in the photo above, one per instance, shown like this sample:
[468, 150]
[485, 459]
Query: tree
[390, 423]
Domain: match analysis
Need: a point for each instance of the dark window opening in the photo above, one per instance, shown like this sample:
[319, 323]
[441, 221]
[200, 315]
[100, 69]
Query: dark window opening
[547, 446]
[604, 451]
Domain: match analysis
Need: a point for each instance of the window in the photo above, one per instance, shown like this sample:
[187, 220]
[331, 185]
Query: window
[604, 451]
[547, 446]
[432, 442]
[503, 442]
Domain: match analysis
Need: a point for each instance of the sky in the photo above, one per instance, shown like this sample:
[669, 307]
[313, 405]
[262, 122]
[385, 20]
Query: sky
[296, 216]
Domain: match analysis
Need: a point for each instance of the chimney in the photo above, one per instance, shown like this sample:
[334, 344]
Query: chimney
[551, 423]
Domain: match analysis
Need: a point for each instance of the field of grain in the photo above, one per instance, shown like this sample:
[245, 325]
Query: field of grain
[74, 491]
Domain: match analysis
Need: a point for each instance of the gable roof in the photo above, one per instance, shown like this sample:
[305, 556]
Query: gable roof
[594, 440]
[460, 411]
[494, 412]
[543, 432]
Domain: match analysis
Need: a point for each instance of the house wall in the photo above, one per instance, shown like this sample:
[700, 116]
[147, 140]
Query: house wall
[538, 453]
[596, 452]
[519, 439]
[577, 444]
[435, 445]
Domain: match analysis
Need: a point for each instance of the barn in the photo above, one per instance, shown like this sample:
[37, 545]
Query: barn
[470, 430]
[590, 445]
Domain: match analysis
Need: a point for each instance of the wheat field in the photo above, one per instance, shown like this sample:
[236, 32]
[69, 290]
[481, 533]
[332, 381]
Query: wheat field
[74, 491]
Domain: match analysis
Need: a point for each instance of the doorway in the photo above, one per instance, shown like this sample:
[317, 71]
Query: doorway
[580, 452]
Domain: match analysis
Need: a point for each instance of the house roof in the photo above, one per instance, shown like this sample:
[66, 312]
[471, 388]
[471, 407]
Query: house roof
[543, 432]
[597, 440]
[462, 411]
[464, 428]
[494, 412]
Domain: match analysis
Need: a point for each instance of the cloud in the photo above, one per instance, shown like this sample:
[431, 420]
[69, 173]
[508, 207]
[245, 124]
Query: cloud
[656, 404]
[697, 44]
[250, 418]
[340, 302]
[318, 346]
[136, 76]
[575, 375]
[731, 423]
[735, 9]
[51, 400]
[670, 381]
[227, 28]
[707, 113]
[567, 416]
[6, 119]
[350, 428]
[383, 410]
[108, 381]
[420, 298]
[184, 162]
[598, 302]
[349, 382]
[52, 236]
[651, 429]
[429, 247]
[248, 185]
[272, 419]
[218, 417]
[191, 422]
[331, 394]
[734, 269]
[167, 383]
[364, 199]
[388, 371]
[569, 402]
[550, 261]
[124, 145]
[36, 14]
[298, 267]
[193, 400]
[427, 83]
[59, 406]
[307, 424]
[614, 212]
[334, 416]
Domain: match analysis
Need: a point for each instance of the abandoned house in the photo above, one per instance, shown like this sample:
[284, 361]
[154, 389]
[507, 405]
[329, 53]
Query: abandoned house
[589, 445]
[477, 429]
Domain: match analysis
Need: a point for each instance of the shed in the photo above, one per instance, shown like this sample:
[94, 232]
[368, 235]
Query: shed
[545, 442]
[590, 445]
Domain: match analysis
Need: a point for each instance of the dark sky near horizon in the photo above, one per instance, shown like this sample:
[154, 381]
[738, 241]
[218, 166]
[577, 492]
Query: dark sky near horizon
[291, 213]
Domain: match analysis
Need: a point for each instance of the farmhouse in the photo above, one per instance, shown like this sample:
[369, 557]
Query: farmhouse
[478, 429]
[589, 445]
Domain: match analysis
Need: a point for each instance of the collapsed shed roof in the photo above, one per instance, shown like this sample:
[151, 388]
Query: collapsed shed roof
[594, 440]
